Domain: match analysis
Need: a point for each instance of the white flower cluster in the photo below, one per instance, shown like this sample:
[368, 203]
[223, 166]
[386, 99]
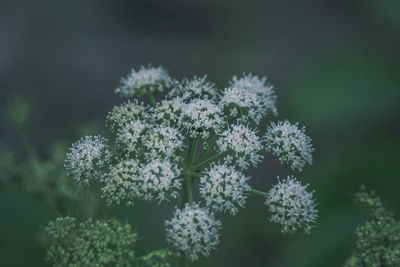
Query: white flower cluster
[144, 81]
[245, 144]
[169, 111]
[291, 205]
[263, 90]
[201, 117]
[290, 144]
[87, 159]
[129, 136]
[122, 183]
[160, 180]
[242, 103]
[125, 113]
[139, 138]
[129, 179]
[193, 230]
[162, 141]
[224, 189]
[222, 130]
[189, 89]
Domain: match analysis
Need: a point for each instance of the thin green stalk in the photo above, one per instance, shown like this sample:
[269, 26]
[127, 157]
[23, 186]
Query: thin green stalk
[209, 160]
[258, 192]
[183, 261]
[152, 99]
[189, 189]
[211, 144]
[186, 194]
[196, 175]
[192, 150]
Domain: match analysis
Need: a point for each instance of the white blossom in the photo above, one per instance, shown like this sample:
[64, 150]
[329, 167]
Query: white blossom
[162, 141]
[159, 180]
[201, 117]
[198, 87]
[193, 230]
[265, 91]
[145, 80]
[122, 183]
[243, 104]
[169, 112]
[243, 142]
[129, 179]
[87, 158]
[290, 144]
[125, 113]
[291, 205]
[224, 189]
[129, 137]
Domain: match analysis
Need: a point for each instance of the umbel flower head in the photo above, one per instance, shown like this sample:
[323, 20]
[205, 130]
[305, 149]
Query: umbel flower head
[122, 183]
[241, 103]
[128, 138]
[290, 144]
[162, 141]
[169, 111]
[126, 113]
[160, 180]
[291, 205]
[189, 89]
[224, 189]
[197, 133]
[129, 180]
[193, 230]
[87, 158]
[144, 81]
[263, 90]
[244, 143]
[201, 117]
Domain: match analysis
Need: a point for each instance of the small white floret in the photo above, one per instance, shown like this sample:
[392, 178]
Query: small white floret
[193, 230]
[291, 205]
[224, 189]
[87, 158]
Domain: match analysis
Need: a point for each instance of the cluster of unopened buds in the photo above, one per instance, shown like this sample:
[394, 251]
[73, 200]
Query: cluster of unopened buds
[196, 134]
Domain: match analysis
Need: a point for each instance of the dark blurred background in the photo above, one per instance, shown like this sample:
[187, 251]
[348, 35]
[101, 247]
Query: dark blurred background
[335, 66]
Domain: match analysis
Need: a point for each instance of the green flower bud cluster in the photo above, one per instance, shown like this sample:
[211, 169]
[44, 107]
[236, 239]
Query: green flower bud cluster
[90, 243]
[377, 242]
[157, 258]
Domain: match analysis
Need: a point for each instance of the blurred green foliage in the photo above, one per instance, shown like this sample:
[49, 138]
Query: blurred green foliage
[42, 177]
[377, 242]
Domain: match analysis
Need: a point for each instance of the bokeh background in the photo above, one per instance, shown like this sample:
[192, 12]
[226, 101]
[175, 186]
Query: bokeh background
[335, 66]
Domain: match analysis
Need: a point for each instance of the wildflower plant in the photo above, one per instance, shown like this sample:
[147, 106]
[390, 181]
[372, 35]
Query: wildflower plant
[196, 133]
[377, 241]
[37, 175]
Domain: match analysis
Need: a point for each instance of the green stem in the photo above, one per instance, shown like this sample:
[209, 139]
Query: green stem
[189, 189]
[196, 175]
[192, 150]
[258, 192]
[209, 160]
[211, 144]
[153, 99]
[186, 194]
[183, 261]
